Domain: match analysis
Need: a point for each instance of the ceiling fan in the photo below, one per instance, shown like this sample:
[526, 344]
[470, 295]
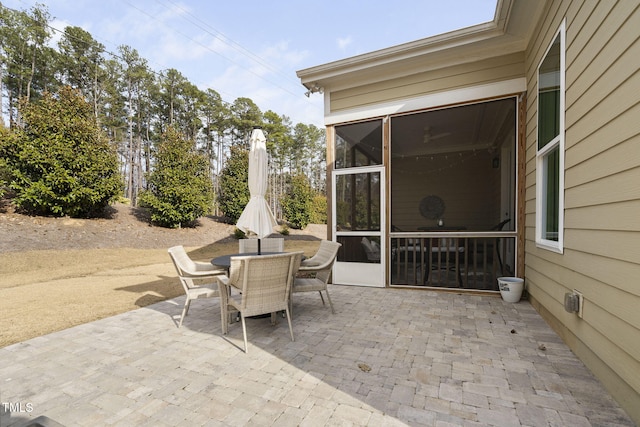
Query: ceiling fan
[427, 136]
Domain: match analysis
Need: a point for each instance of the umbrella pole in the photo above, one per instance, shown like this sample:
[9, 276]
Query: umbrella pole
[259, 251]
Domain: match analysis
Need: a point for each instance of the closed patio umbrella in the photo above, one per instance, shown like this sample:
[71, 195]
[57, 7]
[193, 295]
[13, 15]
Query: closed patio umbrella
[257, 217]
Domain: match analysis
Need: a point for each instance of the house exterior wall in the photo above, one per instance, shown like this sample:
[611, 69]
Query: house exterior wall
[601, 247]
[601, 256]
[485, 71]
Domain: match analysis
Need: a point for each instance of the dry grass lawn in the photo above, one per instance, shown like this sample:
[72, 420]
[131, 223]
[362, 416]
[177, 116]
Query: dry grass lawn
[46, 291]
[42, 291]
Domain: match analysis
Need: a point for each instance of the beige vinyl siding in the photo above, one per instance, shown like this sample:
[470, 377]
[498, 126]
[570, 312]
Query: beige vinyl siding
[602, 217]
[618, 187]
[601, 255]
[482, 72]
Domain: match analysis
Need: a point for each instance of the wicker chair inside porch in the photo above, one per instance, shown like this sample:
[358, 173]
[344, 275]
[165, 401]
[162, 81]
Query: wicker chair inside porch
[264, 283]
[371, 250]
[319, 266]
[190, 271]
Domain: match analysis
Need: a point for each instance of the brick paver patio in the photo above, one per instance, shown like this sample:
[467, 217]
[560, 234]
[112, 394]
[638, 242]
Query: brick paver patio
[388, 357]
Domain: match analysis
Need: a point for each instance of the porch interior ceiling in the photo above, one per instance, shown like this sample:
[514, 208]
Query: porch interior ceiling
[479, 126]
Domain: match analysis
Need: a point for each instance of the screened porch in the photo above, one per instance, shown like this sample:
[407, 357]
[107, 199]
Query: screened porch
[450, 216]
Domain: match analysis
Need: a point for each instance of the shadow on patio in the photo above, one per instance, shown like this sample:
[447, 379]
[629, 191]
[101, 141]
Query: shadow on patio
[387, 357]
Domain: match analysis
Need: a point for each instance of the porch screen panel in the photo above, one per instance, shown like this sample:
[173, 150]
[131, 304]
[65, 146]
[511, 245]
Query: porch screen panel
[358, 144]
[454, 169]
[358, 202]
[358, 198]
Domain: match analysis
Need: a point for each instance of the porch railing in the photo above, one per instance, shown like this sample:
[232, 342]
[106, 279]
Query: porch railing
[467, 260]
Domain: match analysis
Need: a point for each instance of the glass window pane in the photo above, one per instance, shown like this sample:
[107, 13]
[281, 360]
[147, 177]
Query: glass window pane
[358, 144]
[358, 202]
[551, 196]
[549, 95]
[550, 155]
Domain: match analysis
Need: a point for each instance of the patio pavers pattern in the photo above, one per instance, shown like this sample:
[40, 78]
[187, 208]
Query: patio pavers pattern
[388, 357]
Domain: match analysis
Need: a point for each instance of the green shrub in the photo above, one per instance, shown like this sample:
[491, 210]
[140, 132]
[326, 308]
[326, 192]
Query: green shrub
[5, 137]
[180, 190]
[319, 209]
[234, 186]
[60, 163]
[297, 202]
[239, 234]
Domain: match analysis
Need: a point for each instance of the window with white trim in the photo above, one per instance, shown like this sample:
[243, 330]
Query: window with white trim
[550, 147]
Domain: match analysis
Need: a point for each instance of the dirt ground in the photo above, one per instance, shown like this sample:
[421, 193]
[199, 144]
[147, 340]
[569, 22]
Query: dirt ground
[59, 272]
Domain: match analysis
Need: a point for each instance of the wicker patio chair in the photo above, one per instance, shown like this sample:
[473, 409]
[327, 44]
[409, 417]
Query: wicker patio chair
[264, 283]
[319, 266]
[188, 271]
[371, 250]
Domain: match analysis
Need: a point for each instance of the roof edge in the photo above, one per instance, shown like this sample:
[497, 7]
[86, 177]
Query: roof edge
[473, 34]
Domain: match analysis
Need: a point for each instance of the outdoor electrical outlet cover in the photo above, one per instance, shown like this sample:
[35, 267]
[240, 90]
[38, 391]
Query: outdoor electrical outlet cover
[580, 303]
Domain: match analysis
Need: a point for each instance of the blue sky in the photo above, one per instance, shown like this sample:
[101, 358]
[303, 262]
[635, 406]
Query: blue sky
[254, 48]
